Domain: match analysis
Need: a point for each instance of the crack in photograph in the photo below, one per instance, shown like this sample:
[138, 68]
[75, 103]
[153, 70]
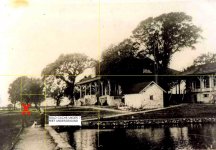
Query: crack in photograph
[107, 74]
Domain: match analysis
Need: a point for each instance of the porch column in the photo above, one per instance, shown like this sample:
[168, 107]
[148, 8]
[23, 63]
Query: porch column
[90, 87]
[211, 84]
[109, 86]
[85, 90]
[101, 88]
[179, 85]
[201, 83]
[192, 86]
[80, 91]
[213, 78]
[96, 88]
[119, 90]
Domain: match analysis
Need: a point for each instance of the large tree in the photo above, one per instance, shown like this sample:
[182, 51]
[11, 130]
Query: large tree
[55, 88]
[123, 59]
[14, 91]
[26, 90]
[60, 75]
[121, 63]
[35, 87]
[162, 36]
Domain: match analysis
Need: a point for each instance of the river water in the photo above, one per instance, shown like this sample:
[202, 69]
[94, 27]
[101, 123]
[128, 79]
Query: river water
[194, 136]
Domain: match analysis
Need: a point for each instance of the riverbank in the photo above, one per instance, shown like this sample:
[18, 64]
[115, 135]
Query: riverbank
[181, 115]
[140, 123]
[180, 111]
[178, 114]
[84, 112]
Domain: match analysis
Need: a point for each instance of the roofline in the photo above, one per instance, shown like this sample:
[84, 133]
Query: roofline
[155, 84]
[198, 67]
[89, 80]
[200, 74]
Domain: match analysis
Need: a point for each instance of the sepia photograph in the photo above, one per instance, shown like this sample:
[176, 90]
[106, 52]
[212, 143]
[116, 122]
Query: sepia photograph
[107, 74]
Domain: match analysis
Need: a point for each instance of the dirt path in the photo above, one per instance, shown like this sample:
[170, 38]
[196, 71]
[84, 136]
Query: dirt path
[35, 139]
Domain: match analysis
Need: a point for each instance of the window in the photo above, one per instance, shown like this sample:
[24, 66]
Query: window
[205, 95]
[151, 97]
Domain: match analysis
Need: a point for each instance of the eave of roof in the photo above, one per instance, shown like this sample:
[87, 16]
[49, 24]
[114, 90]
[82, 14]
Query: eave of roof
[89, 80]
[201, 70]
[139, 87]
[150, 83]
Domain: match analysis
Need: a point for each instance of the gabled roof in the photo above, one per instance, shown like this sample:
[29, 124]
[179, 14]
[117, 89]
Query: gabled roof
[201, 69]
[88, 80]
[139, 87]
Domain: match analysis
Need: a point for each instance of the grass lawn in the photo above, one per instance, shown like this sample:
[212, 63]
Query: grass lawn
[184, 111]
[85, 113]
[10, 125]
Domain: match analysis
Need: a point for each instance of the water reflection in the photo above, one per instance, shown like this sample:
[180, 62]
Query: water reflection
[85, 139]
[188, 137]
[180, 137]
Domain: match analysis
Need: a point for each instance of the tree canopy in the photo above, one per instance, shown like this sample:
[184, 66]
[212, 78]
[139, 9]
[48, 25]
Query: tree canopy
[60, 75]
[122, 59]
[202, 60]
[162, 36]
[205, 59]
[26, 90]
[10, 106]
[55, 88]
[14, 91]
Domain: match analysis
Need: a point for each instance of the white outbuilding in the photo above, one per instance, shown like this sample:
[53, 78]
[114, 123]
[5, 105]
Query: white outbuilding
[145, 95]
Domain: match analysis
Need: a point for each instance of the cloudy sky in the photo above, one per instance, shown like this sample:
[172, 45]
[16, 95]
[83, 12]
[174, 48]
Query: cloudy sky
[33, 33]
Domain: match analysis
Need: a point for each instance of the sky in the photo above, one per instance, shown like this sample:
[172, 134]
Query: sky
[33, 33]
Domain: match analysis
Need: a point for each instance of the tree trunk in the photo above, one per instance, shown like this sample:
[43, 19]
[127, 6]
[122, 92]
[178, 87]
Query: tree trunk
[58, 102]
[70, 91]
[36, 107]
[163, 70]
